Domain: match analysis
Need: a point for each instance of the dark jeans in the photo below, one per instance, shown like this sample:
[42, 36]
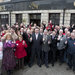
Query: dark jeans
[71, 61]
[45, 58]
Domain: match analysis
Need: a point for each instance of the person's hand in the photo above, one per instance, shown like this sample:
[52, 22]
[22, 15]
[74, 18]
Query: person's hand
[14, 41]
[65, 42]
[31, 39]
[23, 42]
[58, 38]
[43, 39]
[6, 41]
[49, 42]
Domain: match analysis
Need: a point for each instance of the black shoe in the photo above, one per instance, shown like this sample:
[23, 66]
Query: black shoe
[1, 74]
[8, 73]
[30, 65]
[68, 68]
[74, 72]
[60, 64]
[39, 65]
[52, 65]
[47, 66]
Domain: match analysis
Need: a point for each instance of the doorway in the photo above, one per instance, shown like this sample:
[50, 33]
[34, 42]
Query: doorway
[35, 18]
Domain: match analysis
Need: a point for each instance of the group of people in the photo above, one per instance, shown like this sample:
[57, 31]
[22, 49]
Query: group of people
[47, 44]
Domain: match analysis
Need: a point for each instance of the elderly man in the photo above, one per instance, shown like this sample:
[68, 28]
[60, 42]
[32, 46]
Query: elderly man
[71, 52]
[61, 46]
[45, 47]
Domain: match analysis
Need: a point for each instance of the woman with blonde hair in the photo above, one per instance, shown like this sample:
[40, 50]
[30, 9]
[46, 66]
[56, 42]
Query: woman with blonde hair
[20, 52]
[8, 62]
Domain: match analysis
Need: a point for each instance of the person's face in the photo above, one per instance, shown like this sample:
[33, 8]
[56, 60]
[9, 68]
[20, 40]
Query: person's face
[54, 33]
[72, 36]
[68, 34]
[41, 30]
[8, 37]
[66, 30]
[20, 38]
[18, 32]
[36, 31]
[45, 33]
[60, 32]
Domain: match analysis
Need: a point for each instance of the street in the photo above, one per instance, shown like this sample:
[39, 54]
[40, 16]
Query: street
[35, 70]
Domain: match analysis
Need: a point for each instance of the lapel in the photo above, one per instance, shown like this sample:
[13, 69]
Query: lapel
[38, 36]
[34, 37]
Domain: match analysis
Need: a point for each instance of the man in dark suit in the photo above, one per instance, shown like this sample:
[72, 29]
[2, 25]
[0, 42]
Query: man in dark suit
[36, 40]
[53, 47]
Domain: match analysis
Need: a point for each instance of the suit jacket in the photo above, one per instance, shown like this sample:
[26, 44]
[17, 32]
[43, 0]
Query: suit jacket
[61, 44]
[54, 43]
[25, 37]
[45, 45]
[36, 44]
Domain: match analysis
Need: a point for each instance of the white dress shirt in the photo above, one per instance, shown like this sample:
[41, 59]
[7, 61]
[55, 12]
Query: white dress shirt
[36, 36]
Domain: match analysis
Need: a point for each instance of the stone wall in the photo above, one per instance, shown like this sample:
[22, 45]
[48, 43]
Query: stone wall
[44, 15]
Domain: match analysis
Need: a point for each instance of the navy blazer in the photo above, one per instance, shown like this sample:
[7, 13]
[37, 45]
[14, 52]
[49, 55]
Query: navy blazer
[36, 44]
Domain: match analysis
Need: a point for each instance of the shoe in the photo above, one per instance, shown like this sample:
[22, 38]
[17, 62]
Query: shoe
[60, 64]
[1, 74]
[52, 65]
[39, 65]
[74, 72]
[68, 68]
[47, 66]
[30, 65]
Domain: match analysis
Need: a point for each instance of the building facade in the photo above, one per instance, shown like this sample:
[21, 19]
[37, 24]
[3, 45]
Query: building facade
[61, 12]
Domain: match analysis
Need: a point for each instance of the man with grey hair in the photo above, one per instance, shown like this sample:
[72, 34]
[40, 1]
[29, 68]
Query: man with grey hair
[45, 48]
[71, 52]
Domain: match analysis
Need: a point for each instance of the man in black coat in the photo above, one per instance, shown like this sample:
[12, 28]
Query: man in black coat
[53, 47]
[36, 40]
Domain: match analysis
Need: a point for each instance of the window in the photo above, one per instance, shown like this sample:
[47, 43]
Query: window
[55, 17]
[4, 19]
[72, 21]
[19, 18]
[35, 18]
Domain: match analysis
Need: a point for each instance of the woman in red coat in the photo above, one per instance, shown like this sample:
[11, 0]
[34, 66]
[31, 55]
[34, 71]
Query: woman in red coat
[20, 52]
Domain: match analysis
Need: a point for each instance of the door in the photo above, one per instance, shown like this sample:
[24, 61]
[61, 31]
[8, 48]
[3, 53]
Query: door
[35, 18]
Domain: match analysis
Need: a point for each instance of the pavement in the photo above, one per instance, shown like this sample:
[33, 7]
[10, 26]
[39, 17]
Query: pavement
[35, 70]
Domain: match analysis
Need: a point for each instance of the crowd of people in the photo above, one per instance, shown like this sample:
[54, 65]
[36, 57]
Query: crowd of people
[44, 45]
